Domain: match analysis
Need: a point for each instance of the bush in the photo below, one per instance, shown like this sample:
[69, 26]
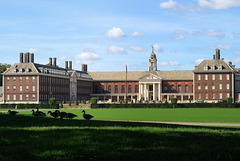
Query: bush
[77, 103]
[52, 102]
[93, 101]
[229, 100]
[173, 100]
[70, 103]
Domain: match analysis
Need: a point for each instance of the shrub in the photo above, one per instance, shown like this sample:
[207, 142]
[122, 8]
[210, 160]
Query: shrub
[52, 102]
[229, 100]
[173, 100]
[84, 101]
[77, 103]
[70, 103]
[93, 101]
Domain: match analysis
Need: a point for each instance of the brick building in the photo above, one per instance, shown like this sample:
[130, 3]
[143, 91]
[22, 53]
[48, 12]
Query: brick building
[30, 82]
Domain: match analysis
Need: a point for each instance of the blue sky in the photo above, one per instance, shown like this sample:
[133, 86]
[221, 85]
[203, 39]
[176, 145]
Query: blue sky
[108, 34]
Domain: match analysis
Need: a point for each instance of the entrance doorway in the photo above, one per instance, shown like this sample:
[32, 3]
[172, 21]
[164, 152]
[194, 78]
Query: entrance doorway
[150, 96]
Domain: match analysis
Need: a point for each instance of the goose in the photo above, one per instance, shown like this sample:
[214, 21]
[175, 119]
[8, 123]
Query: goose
[38, 113]
[71, 115]
[54, 114]
[86, 116]
[12, 112]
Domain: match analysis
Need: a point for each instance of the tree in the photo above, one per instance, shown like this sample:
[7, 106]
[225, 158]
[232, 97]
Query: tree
[52, 102]
[174, 101]
[229, 100]
[3, 68]
[93, 100]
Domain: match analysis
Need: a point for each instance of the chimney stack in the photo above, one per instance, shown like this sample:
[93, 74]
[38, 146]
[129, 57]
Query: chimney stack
[32, 58]
[214, 57]
[230, 63]
[84, 67]
[66, 64]
[217, 54]
[27, 57]
[54, 62]
[21, 57]
[70, 65]
[50, 61]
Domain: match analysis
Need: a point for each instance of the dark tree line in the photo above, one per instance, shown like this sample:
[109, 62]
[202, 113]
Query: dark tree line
[3, 68]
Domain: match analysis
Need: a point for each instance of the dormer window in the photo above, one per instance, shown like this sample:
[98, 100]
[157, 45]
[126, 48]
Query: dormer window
[206, 67]
[213, 67]
[220, 67]
[20, 70]
[45, 70]
[28, 70]
[14, 70]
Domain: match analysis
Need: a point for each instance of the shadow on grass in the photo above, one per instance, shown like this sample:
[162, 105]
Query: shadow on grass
[35, 138]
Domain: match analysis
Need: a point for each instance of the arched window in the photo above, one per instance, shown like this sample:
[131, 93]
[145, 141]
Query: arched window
[129, 89]
[102, 88]
[172, 88]
[109, 88]
[165, 88]
[186, 88]
[123, 89]
[179, 88]
[136, 88]
[116, 88]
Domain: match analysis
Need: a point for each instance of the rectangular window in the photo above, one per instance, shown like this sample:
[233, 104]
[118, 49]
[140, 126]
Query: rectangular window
[227, 77]
[228, 87]
[206, 77]
[20, 88]
[116, 88]
[14, 97]
[33, 97]
[213, 96]
[7, 88]
[20, 97]
[199, 95]
[14, 79]
[213, 86]
[213, 77]
[228, 95]
[7, 79]
[199, 86]
[220, 95]
[8, 97]
[33, 88]
[220, 76]
[26, 88]
[199, 77]
[26, 79]
[27, 96]
[206, 86]
[14, 88]
[136, 88]
[220, 86]
[20, 79]
[33, 79]
[206, 95]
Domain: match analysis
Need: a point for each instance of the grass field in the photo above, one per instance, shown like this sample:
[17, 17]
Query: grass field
[24, 137]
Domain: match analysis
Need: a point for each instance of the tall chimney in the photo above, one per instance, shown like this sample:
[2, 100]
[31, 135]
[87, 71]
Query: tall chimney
[50, 61]
[27, 57]
[21, 57]
[70, 65]
[217, 54]
[54, 62]
[84, 67]
[214, 57]
[66, 64]
[32, 58]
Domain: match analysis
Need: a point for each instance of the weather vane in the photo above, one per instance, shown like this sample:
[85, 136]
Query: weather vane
[152, 47]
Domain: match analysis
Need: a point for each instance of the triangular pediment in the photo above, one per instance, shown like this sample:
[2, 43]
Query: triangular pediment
[150, 76]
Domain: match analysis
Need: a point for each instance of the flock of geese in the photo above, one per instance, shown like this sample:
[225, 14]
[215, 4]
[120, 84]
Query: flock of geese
[55, 114]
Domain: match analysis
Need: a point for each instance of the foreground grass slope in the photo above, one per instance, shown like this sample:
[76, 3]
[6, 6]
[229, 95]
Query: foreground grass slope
[25, 137]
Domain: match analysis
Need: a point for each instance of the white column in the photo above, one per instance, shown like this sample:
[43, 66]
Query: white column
[159, 90]
[154, 92]
[140, 91]
[117, 98]
[145, 91]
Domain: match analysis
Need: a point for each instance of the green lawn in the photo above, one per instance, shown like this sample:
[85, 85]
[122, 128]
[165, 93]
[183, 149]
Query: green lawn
[25, 137]
[220, 115]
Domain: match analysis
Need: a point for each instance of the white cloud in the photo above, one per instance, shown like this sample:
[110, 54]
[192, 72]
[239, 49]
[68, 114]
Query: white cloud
[237, 53]
[218, 4]
[211, 33]
[169, 4]
[84, 62]
[198, 61]
[157, 48]
[221, 47]
[136, 48]
[116, 50]
[170, 63]
[179, 34]
[136, 33]
[87, 56]
[31, 50]
[178, 37]
[115, 32]
[63, 58]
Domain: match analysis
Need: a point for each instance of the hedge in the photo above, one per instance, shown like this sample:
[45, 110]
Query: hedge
[167, 105]
[28, 106]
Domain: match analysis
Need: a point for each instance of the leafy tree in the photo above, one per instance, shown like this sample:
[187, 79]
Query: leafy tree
[77, 103]
[174, 101]
[3, 68]
[229, 100]
[93, 100]
[70, 103]
[52, 102]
